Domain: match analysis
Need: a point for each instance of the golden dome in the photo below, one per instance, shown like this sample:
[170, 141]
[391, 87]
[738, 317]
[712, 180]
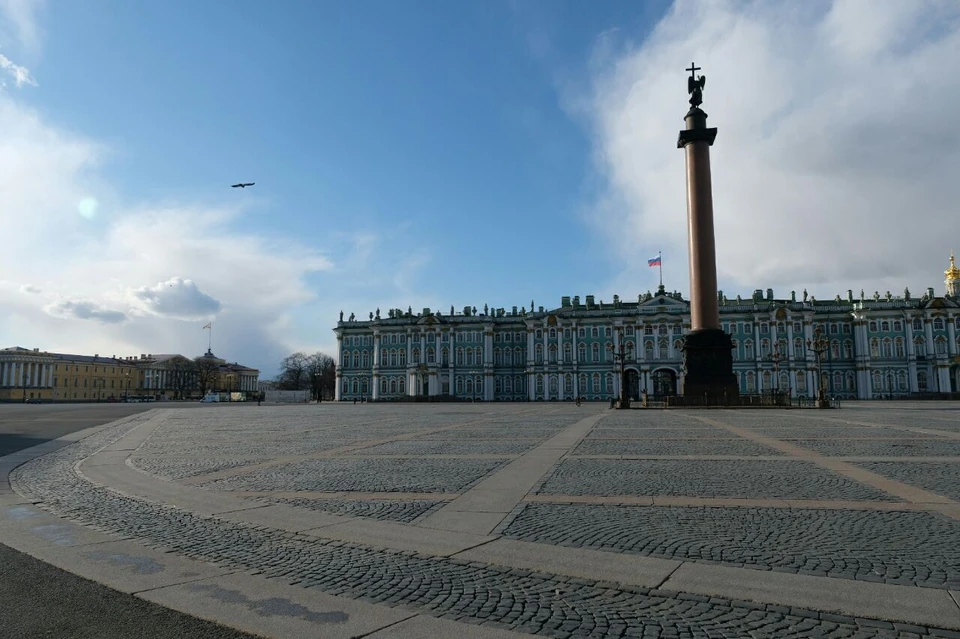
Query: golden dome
[953, 273]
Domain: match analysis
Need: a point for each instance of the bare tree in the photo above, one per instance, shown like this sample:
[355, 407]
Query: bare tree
[322, 372]
[207, 371]
[294, 373]
[181, 376]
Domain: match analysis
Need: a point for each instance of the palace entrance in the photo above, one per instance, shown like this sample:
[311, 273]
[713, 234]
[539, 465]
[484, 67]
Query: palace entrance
[664, 382]
[632, 382]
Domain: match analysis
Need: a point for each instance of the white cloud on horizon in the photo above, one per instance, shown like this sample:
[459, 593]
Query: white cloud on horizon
[177, 298]
[834, 158]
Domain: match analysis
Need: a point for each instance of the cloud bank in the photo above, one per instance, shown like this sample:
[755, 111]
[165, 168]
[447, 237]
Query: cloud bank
[835, 158]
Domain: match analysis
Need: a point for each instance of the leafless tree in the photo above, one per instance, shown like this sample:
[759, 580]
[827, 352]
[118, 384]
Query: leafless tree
[208, 371]
[181, 376]
[294, 374]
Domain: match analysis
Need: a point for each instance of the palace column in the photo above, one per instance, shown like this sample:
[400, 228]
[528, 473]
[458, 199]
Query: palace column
[707, 349]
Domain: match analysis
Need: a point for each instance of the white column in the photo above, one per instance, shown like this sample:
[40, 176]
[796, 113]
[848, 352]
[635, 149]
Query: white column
[530, 347]
[573, 352]
[928, 333]
[791, 354]
[376, 351]
[951, 337]
[3, 373]
[911, 351]
[336, 390]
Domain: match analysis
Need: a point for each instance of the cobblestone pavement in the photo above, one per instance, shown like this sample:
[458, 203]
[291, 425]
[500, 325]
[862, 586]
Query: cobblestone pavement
[741, 447]
[402, 511]
[705, 478]
[463, 591]
[907, 548]
[878, 541]
[940, 477]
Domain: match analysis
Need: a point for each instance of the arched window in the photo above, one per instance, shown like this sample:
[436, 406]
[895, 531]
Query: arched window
[677, 346]
[497, 385]
[581, 353]
[507, 357]
[767, 383]
[508, 385]
[940, 345]
[736, 350]
[596, 383]
[837, 381]
[609, 381]
[902, 380]
[848, 349]
[875, 348]
[748, 350]
[393, 386]
[431, 355]
[567, 353]
[401, 385]
[594, 353]
[469, 386]
[393, 357]
[356, 359]
[539, 334]
[366, 359]
[366, 385]
[917, 324]
[664, 349]
[887, 348]
[800, 382]
[538, 350]
[554, 386]
[835, 349]
[922, 381]
[345, 386]
[445, 356]
[402, 356]
[383, 385]
[415, 356]
[518, 384]
[383, 357]
[764, 348]
[568, 384]
[938, 324]
[873, 326]
[877, 382]
[459, 357]
[582, 383]
[648, 350]
[540, 385]
[459, 385]
[497, 357]
[885, 326]
[784, 381]
[920, 346]
[751, 382]
[356, 385]
[518, 356]
[553, 333]
[553, 353]
[798, 348]
[479, 353]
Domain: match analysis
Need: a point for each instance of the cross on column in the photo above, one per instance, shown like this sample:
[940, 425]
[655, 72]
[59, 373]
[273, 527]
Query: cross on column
[692, 69]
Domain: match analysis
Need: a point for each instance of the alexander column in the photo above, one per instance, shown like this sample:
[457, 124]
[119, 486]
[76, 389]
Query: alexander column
[707, 350]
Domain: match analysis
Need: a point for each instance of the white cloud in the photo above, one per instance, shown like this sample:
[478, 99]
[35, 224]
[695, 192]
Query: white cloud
[835, 155]
[21, 75]
[177, 298]
[18, 22]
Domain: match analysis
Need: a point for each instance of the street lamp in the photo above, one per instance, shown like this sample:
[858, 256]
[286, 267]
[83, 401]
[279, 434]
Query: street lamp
[776, 357]
[820, 344]
[126, 386]
[620, 356]
[316, 377]
[26, 382]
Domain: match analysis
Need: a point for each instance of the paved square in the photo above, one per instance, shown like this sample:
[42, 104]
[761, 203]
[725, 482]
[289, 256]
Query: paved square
[393, 494]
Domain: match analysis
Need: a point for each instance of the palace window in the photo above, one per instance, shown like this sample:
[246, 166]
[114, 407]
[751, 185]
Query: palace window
[873, 326]
[751, 382]
[540, 385]
[497, 357]
[608, 332]
[402, 356]
[553, 353]
[917, 324]
[583, 384]
[539, 334]
[459, 357]
[518, 384]
[383, 385]
[736, 350]
[764, 329]
[554, 386]
[920, 346]
[567, 353]
[800, 382]
[648, 330]
[764, 347]
[798, 347]
[459, 385]
[747, 327]
[797, 327]
[835, 349]
[568, 385]
[837, 382]
[594, 331]
[356, 360]
[877, 382]
[538, 353]
[897, 326]
[875, 348]
[662, 329]
[553, 333]
[898, 348]
[609, 380]
[518, 355]
[941, 345]
[663, 349]
[582, 332]
[885, 326]
[445, 354]
[887, 348]
[748, 349]
[479, 353]
[922, 381]
[415, 359]
[902, 380]
[582, 352]
[469, 386]
[596, 383]
[508, 385]
[497, 386]
[594, 353]
[938, 324]
[848, 349]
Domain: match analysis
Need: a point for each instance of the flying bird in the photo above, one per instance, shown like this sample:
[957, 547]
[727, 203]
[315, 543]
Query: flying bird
[242, 185]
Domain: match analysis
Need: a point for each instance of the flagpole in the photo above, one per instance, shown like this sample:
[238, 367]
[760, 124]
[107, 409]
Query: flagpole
[210, 339]
[660, 263]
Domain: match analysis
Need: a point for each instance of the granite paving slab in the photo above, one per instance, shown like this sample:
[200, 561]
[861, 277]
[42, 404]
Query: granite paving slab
[942, 478]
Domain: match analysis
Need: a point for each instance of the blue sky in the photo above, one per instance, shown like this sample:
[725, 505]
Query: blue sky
[438, 154]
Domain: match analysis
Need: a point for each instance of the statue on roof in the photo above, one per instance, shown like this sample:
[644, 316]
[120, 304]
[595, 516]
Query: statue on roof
[695, 86]
[341, 316]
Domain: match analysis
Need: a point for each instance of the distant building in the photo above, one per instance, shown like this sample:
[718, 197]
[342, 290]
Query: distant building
[27, 374]
[863, 347]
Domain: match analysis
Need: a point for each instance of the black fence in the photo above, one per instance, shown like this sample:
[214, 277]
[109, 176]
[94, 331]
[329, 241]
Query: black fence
[761, 400]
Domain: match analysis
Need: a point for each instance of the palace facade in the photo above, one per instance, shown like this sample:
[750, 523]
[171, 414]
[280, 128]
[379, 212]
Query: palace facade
[856, 347]
[32, 374]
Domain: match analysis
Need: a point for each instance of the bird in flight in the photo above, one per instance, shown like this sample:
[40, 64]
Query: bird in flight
[242, 185]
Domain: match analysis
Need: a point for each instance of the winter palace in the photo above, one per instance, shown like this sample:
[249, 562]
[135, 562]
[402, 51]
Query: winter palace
[855, 346]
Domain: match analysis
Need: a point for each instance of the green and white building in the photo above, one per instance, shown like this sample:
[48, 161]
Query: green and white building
[856, 346]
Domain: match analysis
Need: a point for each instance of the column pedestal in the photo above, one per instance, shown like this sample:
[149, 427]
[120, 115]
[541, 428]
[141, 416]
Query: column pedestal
[708, 359]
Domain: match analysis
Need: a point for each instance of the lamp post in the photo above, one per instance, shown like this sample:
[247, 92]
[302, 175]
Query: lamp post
[126, 385]
[26, 382]
[620, 355]
[820, 344]
[776, 357]
[316, 378]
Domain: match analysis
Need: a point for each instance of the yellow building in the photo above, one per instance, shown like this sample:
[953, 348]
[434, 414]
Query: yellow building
[35, 375]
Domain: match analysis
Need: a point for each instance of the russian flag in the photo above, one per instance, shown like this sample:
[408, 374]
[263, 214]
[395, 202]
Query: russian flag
[654, 261]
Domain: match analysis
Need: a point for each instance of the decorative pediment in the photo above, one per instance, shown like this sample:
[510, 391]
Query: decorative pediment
[429, 320]
[664, 301]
